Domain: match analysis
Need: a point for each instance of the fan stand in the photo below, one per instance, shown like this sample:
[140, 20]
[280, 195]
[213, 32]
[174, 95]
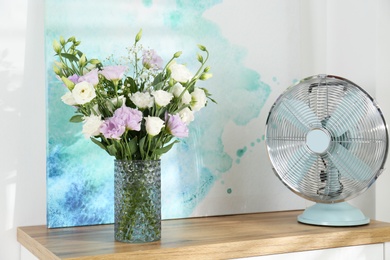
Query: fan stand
[336, 214]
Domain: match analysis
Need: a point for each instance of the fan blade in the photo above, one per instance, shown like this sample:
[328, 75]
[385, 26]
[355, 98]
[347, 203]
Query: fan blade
[299, 114]
[300, 161]
[351, 109]
[349, 165]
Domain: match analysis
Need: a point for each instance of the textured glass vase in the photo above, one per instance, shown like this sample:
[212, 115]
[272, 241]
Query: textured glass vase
[137, 201]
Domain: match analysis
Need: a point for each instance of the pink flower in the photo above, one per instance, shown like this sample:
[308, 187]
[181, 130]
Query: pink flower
[74, 78]
[91, 77]
[151, 60]
[176, 126]
[112, 128]
[130, 118]
[113, 72]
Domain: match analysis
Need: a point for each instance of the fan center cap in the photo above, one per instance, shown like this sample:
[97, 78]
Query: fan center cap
[318, 140]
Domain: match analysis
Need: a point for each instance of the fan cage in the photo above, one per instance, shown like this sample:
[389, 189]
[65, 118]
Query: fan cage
[358, 134]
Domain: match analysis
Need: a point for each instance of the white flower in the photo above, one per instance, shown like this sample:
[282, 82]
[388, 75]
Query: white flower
[179, 72]
[199, 99]
[177, 90]
[162, 98]
[68, 99]
[83, 92]
[91, 126]
[142, 99]
[153, 125]
[186, 115]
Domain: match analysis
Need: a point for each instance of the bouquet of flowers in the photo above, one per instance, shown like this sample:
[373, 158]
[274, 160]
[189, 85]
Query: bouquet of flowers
[136, 109]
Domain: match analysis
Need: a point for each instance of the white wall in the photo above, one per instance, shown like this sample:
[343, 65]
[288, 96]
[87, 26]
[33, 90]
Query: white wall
[382, 70]
[22, 113]
[350, 38]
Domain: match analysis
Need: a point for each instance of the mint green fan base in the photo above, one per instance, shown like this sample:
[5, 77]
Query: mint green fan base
[336, 214]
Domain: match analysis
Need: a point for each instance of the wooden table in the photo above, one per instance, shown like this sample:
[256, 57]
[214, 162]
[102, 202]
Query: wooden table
[218, 237]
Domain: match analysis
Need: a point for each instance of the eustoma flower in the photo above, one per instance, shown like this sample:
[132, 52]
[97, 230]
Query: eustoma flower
[177, 91]
[176, 126]
[91, 77]
[162, 98]
[151, 60]
[186, 115]
[142, 100]
[113, 73]
[199, 99]
[91, 126]
[179, 72]
[134, 105]
[153, 125]
[112, 128]
[130, 118]
[83, 92]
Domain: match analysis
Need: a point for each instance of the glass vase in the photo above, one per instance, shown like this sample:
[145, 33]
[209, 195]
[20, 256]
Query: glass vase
[137, 195]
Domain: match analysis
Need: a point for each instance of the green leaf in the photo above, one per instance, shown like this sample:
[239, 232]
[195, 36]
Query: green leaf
[165, 149]
[70, 57]
[133, 145]
[76, 119]
[141, 146]
[157, 79]
[99, 144]
[129, 82]
[111, 149]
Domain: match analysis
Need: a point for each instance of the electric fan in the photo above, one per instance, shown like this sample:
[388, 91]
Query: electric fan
[327, 141]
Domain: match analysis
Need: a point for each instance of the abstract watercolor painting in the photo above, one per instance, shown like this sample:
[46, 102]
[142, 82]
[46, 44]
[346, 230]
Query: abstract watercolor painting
[222, 167]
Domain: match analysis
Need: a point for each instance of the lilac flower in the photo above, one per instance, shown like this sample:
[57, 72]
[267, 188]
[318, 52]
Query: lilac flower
[91, 77]
[176, 126]
[112, 128]
[113, 72]
[151, 60]
[74, 78]
[130, 118]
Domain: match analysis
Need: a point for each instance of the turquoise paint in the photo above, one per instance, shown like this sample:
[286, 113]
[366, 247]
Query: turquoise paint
[193, 166]
[241, 152]
[229, 191]
[173, 19]
[148, 3]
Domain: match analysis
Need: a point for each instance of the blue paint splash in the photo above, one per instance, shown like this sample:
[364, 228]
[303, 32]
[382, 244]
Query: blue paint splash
[80, 175]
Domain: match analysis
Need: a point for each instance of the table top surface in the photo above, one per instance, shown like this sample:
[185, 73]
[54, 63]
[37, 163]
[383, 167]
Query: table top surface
[217, 237]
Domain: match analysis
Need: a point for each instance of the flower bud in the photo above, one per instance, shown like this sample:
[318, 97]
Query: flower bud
[62, 41]
[56, 46]
[72, 39]
[68, 83]
[138, 36]
[200, 57]
[56, 70]
[94, 61]
[77, 43]
[206, 69]
[171, 82]
[59, 64]
[205, 76]
[82, 60]
[177, 54]
[201, 47]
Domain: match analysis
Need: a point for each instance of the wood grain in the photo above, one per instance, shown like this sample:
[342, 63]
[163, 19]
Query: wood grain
[218, 237]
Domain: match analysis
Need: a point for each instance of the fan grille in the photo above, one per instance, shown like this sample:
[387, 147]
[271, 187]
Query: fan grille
[357, 131]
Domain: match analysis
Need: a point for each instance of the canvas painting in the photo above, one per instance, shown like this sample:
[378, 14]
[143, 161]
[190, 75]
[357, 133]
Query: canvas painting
[222, 167]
